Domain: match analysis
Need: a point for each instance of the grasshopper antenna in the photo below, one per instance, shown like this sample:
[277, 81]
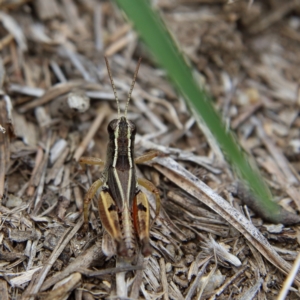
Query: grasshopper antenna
[113, 85]
[132, 85]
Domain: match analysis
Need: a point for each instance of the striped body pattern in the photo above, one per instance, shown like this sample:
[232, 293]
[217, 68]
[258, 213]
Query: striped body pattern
[123, 208]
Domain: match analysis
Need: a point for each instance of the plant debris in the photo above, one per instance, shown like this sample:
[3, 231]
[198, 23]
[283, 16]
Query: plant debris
[209, 241]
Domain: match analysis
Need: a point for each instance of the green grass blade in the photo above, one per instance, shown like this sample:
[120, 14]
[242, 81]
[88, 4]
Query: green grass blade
[160, 43]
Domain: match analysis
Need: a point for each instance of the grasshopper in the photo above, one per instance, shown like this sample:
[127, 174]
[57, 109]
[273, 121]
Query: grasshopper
[123, 208]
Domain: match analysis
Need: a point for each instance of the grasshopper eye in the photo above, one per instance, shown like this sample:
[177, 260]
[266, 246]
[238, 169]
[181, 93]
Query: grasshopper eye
[132, 127]
[112, 126]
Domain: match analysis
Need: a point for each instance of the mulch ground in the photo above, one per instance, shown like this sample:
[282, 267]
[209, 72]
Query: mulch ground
[56, 102]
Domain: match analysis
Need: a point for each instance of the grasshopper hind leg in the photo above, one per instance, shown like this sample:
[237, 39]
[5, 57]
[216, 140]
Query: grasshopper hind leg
[141, 214]
[148, 185]
[141, 220]
[117, 224]
[94, 187]
[87, 199]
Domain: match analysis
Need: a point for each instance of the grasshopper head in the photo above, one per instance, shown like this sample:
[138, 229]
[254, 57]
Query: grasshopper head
[121, 129]
[121, 123]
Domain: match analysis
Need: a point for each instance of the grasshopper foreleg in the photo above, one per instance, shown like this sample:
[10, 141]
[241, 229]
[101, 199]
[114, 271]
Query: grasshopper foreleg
[147, 156]
[91, 161]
